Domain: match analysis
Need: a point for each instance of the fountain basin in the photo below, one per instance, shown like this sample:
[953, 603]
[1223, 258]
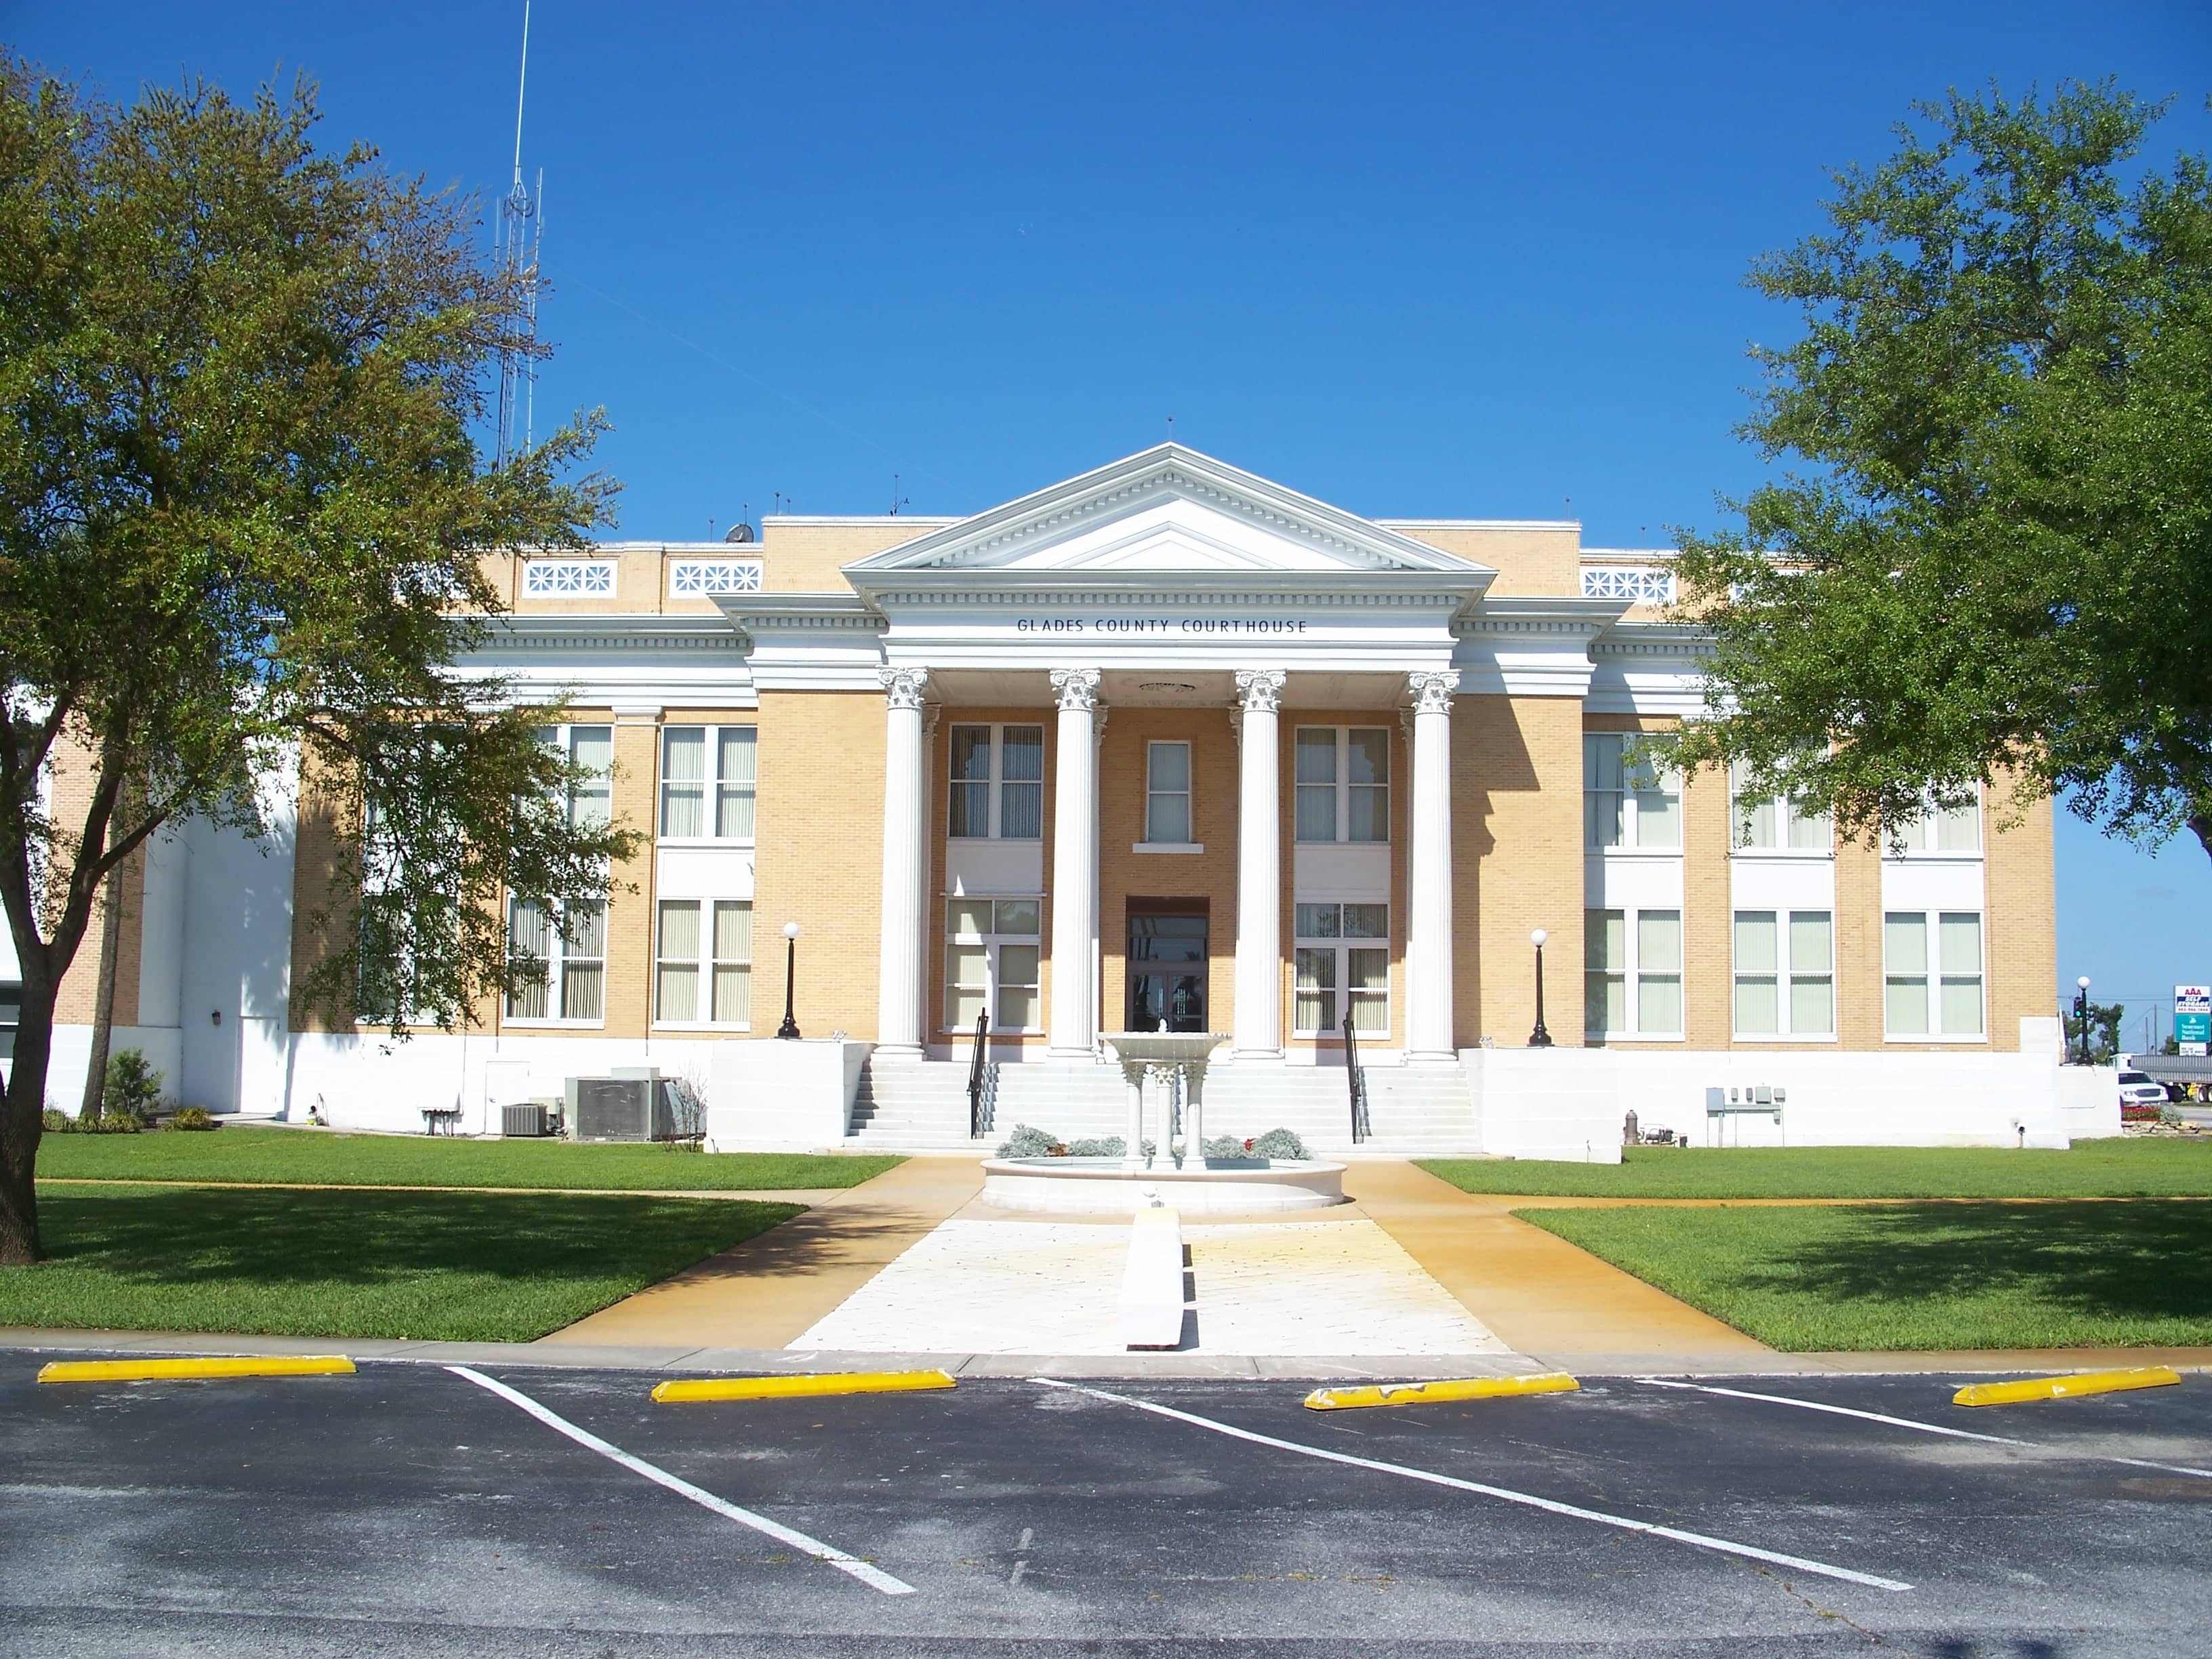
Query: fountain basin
[1106, 1186]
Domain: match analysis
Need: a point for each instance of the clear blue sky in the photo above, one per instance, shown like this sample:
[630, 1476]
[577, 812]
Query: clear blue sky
[1465, 260]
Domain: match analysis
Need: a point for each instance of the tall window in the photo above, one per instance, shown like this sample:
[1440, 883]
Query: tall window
[1627, 803]
[708, 776]
[1631, 973]
[1343, 782]
[1771, 822]
[1941, 829]
[997, 783]
[703, 963]
[563, 957]
[590, 799]
[1786, 983]
[991, 961]
[1932, 962]
[11, 1015]
[1343, 962]
[1167, 793]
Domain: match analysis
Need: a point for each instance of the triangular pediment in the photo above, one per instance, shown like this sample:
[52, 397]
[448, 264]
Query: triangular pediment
[1168, 511]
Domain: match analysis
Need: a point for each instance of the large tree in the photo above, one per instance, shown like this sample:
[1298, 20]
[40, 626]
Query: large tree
[242, 516]
[1986, 558]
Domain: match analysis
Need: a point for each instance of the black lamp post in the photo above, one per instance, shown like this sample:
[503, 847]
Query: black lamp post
[1539, 1038]
[2081, 1014]
[790, 1027]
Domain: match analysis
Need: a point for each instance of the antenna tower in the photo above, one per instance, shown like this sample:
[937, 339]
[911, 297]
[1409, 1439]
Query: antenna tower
[521, 232]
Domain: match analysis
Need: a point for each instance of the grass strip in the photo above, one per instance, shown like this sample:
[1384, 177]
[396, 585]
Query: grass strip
[310, 1156]
[1905, 1276]
[438, 1267]
[2093, 1168]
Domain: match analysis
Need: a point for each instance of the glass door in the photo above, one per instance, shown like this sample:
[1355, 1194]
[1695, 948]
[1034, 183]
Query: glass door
[1166, 971]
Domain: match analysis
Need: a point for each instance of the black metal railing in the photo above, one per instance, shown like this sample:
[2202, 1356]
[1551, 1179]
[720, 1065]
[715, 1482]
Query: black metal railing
[975, 1124]
[1355, 1081]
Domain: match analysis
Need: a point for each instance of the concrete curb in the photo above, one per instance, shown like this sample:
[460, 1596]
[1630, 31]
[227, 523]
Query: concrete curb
[1162, 1366]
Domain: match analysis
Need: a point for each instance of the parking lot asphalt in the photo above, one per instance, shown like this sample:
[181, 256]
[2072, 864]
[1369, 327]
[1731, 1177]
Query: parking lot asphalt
[423, 1510]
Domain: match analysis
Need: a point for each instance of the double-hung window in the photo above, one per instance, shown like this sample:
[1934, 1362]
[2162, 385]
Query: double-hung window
[1632, 974]
[703, 963]
[1343, 781]
[708, 775]
[1932, 968]
[11, 1015]
[1627, 802]
[1952, 829]
[991, 957]
[1774, 822]
[1785, 974]
[562, 954]
[997, 783]
[1167, 793]
[1342, 958]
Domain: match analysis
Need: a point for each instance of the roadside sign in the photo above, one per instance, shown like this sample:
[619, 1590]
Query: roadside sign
[2192, 1018]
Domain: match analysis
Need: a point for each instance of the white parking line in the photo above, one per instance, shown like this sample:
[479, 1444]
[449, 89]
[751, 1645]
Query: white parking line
[1923, 1428]
[873, 1578]
[1698, 1539]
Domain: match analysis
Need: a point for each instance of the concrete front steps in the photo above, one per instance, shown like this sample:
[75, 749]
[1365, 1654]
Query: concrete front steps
[921, 1106]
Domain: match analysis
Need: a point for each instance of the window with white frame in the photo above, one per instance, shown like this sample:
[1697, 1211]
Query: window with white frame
[1627, 802]
[997, 783]
[1343, 781]
[562, 955]
[1167, 793]
[1785, 973]
[703, 963]
[568, 579]
[11, 1015]
[709, 778]
[991, 959]
[1932, 973]
[591, 797]
[1631, 973]
[1774, 822]
[1342, 958]
[1952, 829]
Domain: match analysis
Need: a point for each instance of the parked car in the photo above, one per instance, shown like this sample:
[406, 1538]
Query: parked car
[2141, 1088]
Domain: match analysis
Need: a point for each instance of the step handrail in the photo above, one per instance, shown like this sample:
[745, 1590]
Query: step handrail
[976, 1075]
[1355, 1081]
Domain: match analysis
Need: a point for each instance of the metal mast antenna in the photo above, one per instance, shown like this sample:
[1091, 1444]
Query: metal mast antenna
[521, 232]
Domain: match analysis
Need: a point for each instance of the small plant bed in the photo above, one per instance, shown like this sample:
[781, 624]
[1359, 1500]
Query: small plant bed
[1938, 1276]
[319, 1157]
[444, 1267]
[1277, 1145]
[2131, 1167]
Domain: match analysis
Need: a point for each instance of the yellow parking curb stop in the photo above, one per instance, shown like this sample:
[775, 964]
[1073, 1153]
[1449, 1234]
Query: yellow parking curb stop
[794, 1388]
[162, 1370]
[2063, 1388]
[1422, 1393]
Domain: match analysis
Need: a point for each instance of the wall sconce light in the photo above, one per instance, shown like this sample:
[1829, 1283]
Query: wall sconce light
[214, 1016]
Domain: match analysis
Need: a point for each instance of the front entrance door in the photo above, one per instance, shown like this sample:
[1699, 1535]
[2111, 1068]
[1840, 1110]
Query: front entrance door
[1167, 969]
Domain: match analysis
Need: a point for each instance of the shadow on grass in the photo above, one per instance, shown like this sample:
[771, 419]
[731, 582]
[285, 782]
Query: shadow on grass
[2142, 1260]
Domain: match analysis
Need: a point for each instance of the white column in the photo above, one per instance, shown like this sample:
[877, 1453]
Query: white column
[899, 977]
[1429, 873]
[1074, 856]
[1258, 1033]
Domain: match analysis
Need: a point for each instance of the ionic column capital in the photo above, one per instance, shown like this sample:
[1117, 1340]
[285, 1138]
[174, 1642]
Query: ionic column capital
[1077, 688]
[1433, 690]
[1260, 691]
[904, 686]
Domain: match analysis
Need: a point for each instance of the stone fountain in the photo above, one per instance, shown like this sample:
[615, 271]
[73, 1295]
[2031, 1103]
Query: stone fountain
[1134, 1182]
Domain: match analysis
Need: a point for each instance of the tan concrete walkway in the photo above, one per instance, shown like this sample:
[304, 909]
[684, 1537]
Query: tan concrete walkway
[1538, 1293]
[768, 1289]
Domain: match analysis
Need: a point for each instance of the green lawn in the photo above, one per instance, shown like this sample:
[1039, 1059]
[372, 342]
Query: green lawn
[451, 1267]
[2093, 1168]
[281, 1156]
[1923, 1276]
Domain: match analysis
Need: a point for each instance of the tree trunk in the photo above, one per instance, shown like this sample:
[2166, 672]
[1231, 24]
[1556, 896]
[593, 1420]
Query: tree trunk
[20, 1123]
[103, 1005]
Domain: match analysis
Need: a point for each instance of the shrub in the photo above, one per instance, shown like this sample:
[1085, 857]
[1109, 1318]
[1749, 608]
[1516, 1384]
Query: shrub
[134, 1088]
[1279, 1144]
[1224, 1146]
[1026, 1142]
[56, 1121]
[1110, 1146]
[194, 1117]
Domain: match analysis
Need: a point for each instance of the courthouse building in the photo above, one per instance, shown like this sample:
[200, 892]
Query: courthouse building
[1165, 742]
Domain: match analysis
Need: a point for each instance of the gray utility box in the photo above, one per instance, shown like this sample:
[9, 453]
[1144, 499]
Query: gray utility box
[526, 1119]
[633, 1104]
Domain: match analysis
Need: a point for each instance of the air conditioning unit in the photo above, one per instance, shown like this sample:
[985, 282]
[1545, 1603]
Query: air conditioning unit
[526, 1119]
[636, 1103]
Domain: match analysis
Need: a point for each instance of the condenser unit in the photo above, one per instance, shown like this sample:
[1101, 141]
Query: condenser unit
[525, 1120]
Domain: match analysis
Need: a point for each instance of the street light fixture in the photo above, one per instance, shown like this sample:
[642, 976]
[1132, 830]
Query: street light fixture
[2082, 1015]
[789, 1029]
[1539, 1038]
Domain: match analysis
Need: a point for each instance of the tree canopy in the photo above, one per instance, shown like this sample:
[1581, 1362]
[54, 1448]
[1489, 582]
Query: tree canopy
[1985, 559]
[242, 516]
